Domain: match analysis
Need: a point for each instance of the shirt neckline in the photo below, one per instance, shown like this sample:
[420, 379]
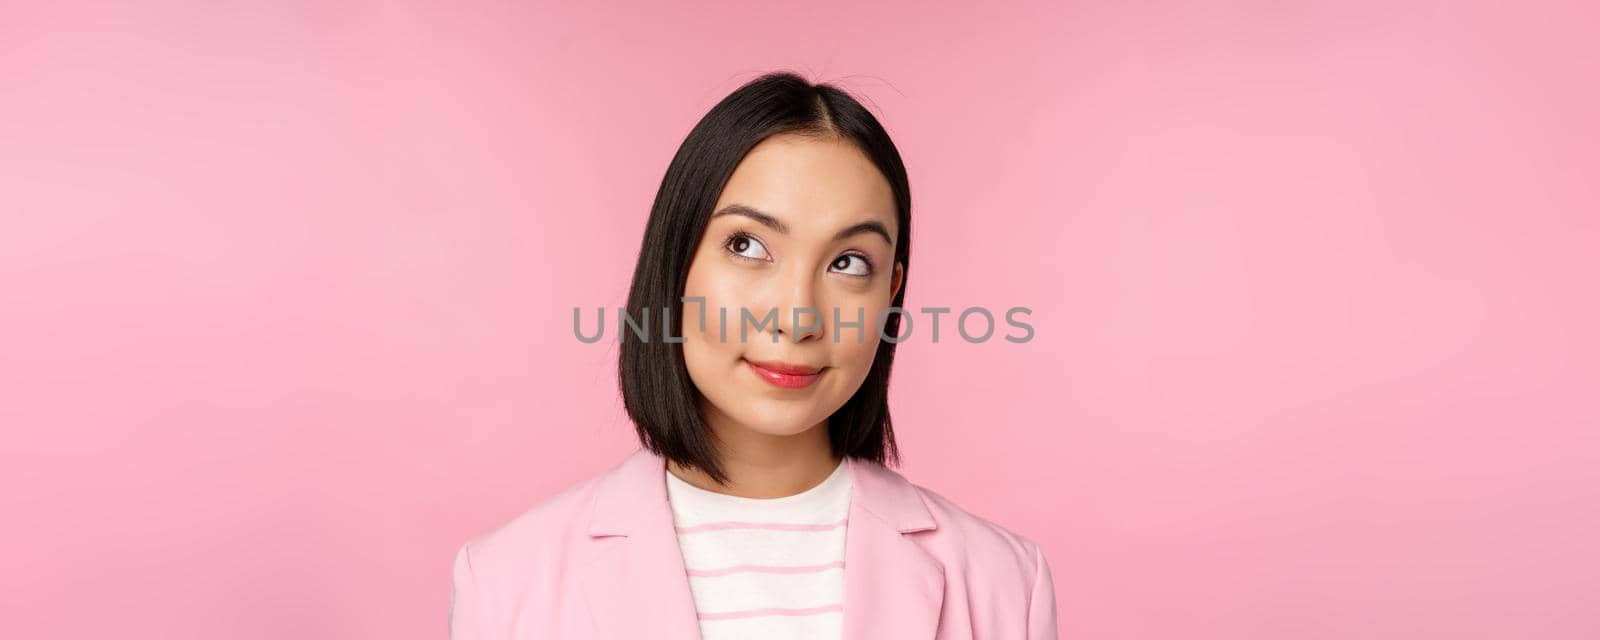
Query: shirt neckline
[831, 488]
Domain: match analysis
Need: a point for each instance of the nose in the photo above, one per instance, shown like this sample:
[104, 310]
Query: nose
[799, 319]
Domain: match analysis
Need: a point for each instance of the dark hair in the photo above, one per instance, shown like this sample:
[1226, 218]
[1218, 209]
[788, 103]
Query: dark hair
[657, 392]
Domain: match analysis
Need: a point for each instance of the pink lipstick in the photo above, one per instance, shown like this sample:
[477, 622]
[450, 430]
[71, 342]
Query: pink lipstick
[783, 374]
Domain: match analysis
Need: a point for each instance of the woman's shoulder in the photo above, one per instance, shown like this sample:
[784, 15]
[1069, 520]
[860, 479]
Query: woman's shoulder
[966, 540]
[1004, 566]
[541, 531]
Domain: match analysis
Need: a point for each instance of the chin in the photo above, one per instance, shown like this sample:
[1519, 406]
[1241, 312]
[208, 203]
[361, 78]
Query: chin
[774, 425]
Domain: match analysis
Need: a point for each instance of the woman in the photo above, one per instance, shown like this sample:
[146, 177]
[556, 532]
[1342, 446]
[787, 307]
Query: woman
[759, 504]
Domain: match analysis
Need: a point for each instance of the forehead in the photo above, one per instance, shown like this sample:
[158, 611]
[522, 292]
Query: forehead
[811, 183]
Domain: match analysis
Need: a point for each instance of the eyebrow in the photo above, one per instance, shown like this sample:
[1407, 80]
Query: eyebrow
[871, 226]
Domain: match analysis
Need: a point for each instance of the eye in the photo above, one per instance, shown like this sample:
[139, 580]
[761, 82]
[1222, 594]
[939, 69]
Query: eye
[853, 264]
[745, 246]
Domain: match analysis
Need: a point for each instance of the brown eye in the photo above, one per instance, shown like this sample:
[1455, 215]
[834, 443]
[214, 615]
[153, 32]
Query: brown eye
[853, 264]
[744, 246]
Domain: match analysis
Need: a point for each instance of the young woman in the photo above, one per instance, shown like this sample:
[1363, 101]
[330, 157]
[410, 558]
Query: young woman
[759, 504]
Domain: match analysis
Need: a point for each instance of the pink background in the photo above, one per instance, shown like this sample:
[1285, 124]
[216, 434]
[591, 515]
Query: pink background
[288, 287]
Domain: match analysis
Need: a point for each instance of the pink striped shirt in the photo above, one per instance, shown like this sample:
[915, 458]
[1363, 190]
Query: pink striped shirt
[764, 568]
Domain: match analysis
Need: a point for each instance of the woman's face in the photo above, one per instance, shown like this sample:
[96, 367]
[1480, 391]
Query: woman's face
[797, 225]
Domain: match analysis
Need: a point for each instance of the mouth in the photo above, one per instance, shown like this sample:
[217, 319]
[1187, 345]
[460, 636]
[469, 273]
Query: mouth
[786, 375]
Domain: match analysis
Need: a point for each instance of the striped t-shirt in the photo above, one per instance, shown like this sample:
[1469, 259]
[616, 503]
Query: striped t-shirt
[769, 568]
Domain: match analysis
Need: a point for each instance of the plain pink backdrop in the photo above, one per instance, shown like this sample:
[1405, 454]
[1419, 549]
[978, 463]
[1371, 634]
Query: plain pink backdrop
[287, 296]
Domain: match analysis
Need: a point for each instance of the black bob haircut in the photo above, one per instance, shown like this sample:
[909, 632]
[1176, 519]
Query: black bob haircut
[657, 392]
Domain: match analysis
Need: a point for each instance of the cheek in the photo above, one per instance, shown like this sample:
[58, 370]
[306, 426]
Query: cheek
[702, 320]
[857, 346]
[858, 356]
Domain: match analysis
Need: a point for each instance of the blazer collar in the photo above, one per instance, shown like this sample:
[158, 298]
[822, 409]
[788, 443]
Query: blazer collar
[638, 586]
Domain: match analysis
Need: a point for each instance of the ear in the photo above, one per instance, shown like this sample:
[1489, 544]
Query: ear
[899, 279]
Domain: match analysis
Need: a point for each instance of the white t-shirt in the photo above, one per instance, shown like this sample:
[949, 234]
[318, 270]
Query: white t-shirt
[765, 568]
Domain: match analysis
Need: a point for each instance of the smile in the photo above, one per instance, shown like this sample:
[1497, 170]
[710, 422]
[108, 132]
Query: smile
[788, 376]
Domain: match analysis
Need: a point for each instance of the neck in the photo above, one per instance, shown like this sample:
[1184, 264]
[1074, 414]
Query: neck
[764, 465]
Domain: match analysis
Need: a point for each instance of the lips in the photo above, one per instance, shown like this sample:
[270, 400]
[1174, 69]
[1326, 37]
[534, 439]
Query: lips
[785, 375]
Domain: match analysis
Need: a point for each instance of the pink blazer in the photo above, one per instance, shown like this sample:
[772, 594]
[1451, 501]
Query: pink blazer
[600, 560]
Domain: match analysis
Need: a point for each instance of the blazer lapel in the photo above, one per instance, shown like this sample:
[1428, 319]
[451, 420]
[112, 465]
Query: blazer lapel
[892, 587]
[637, 587]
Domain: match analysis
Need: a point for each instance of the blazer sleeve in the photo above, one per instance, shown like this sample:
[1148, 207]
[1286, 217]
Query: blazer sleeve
[1042, 605]
[468, 612]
